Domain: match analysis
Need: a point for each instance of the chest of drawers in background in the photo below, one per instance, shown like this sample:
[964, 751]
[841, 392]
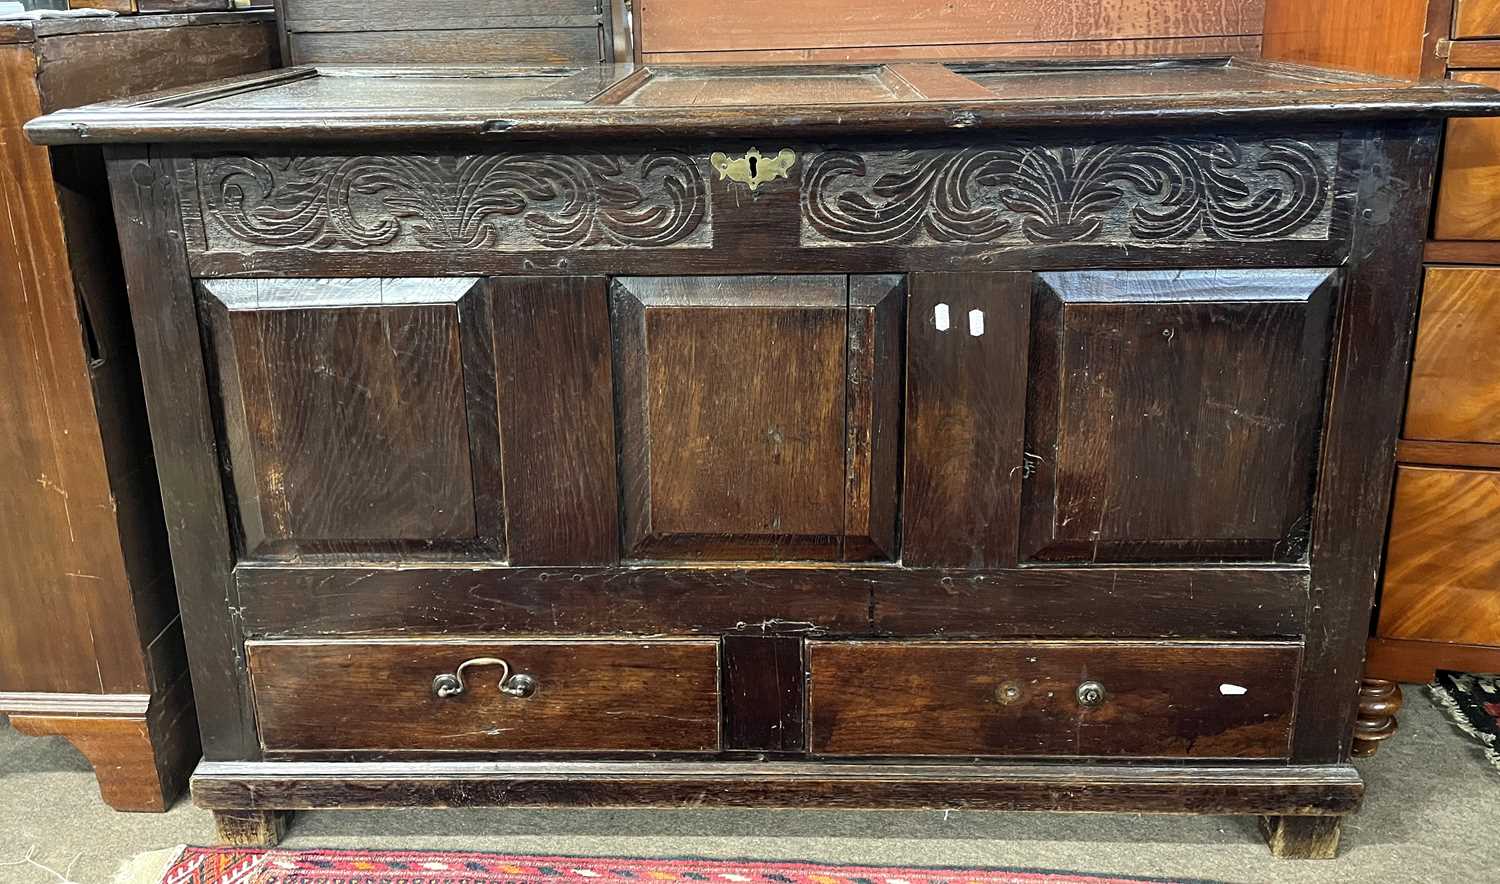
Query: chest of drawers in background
[1440, 597]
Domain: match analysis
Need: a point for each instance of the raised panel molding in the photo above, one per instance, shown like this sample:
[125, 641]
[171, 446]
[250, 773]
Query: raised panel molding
[1154, 190]
[758, 416]
[1174, 415]
[516, 202]
[345, 410]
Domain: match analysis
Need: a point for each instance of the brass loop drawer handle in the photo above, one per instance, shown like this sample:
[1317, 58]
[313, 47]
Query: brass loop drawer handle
[1091, 694]
[451, 684]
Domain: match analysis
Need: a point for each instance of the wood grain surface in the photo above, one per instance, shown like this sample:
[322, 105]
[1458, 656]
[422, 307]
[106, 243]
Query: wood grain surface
[1468, 199]
[1442, 576]
[1160, 699]
[1455, 380]
[1198, 387]
[695, 25]
[1476, 18]
[599, 695]
[1391, 37]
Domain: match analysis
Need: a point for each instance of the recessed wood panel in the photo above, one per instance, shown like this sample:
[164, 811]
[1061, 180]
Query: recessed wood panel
[1455, 381]
[1159, 699]
[378, 695]
[1442, 572]
[343, 404]
[738, 440]
[1174, 414]
[1468, 199]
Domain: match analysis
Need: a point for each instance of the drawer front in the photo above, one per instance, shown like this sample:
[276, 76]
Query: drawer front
[1068, 698]
[1442, 573]
[583, 695]
[1468, 198]
[1476, 18]
[1455, 381]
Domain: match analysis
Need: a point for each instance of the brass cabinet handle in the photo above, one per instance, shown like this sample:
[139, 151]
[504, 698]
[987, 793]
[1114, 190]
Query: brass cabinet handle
[451, 684]
[1091, 694]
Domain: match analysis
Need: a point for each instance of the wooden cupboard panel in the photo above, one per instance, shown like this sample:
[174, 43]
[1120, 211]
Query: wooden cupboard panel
[1455, 381]
[556, 417]
[1161, 699]
[1202, 388]
[1468, 199]
[1442, 572]
[691, 25]
[965, 415]
[343, 406]
[660, 696]
[739, 412]
[1476, 18]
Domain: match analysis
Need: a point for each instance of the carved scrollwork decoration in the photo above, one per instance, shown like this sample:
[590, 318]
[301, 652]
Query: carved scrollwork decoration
[1150, 190]
[496, 201]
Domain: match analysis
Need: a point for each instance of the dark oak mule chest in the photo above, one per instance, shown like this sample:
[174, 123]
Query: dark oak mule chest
[1010, 436]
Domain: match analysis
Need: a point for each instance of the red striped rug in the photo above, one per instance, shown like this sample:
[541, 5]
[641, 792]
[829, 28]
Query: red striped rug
[228, 865]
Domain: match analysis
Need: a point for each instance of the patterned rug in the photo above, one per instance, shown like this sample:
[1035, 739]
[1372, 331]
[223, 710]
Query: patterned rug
[228, 865]
[1473, 701]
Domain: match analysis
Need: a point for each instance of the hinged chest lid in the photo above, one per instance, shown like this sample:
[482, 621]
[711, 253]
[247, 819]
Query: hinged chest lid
[328, 102]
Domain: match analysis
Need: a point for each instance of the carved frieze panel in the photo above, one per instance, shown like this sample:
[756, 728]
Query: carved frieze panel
[505, 202]
[1144, 190]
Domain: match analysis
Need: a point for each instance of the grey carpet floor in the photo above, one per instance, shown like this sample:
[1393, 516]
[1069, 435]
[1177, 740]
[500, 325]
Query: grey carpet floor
[1432, 814]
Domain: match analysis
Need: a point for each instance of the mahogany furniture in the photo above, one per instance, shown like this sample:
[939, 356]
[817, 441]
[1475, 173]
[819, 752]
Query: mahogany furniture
[90, 641]
[894, 435]
[1440, 596]
[714, 32]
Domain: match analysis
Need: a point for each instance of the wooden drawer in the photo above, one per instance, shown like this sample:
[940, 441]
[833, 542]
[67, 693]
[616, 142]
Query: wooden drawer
[1161, 699]
[1468, 198]
[1455, 381]
[1442, 573]
[1476, 18]
[588, 695]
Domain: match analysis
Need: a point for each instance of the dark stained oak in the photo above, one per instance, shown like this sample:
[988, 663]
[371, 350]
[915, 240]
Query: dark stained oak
[1026, 698]
[344, 407]
[1174, 415]
[764, 502]
[965, 411]
[1243, 602]
[765, 699]
[250, 828]
[1207, 788]
[757, 416]
[364, 696]
[1302, 837]
[552, 370]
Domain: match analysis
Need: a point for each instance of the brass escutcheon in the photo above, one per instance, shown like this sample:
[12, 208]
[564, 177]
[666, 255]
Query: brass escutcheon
[753, 169]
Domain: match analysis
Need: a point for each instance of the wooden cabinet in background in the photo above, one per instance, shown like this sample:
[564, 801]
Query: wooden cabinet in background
[850, 30]
[1438, 601]
[91, 646]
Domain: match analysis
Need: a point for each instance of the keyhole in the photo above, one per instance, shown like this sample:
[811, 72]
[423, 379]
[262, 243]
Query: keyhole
[753, 172]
